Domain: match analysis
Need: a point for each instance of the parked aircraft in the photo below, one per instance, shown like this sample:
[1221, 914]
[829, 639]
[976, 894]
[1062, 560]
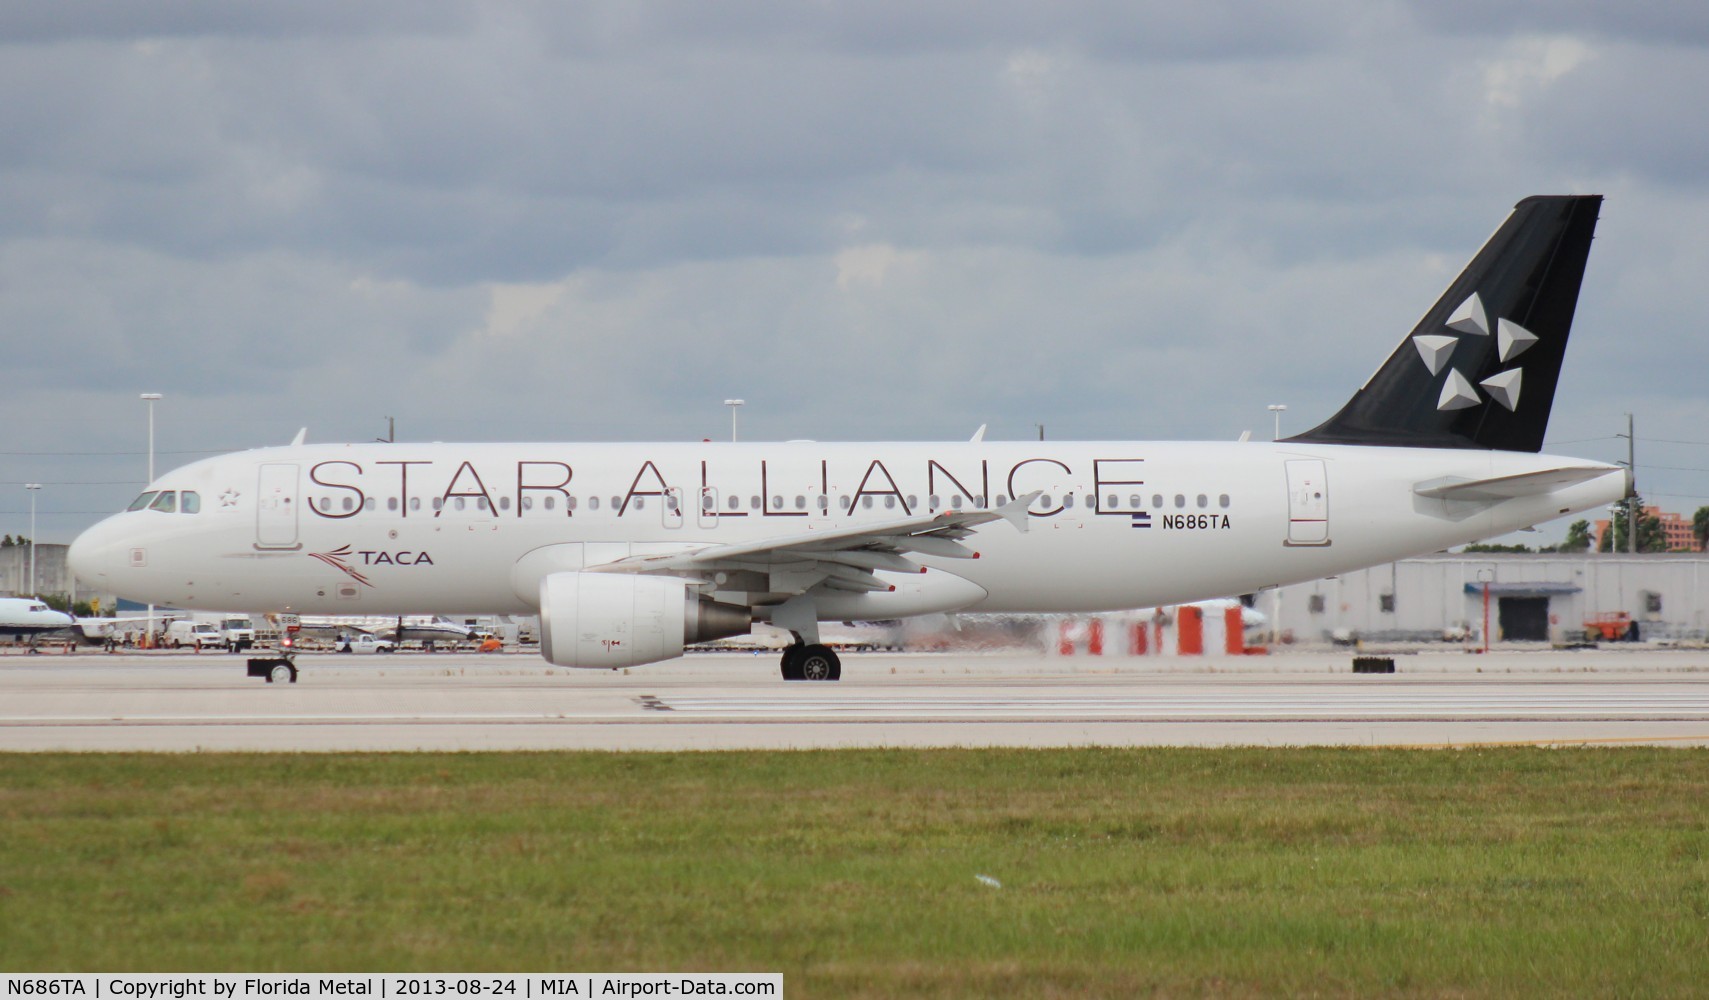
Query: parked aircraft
[393, 627]
[22, 617]
[629, 551]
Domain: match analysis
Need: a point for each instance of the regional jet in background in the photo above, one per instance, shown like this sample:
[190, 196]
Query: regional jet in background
[399, 629]
[627, 552]
[28, 617]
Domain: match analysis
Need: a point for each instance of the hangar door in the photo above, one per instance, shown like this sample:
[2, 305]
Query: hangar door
[1524, 619]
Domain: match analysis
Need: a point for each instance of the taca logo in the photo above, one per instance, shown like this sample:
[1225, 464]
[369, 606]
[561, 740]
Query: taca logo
[339, 559]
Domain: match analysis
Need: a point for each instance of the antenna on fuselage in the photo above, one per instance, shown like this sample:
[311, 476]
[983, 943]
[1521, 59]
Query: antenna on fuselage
[302, 432]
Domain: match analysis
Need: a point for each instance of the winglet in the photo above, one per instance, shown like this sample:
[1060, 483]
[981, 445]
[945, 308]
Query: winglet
[978, 435]
[1015, 511]
[301, 433]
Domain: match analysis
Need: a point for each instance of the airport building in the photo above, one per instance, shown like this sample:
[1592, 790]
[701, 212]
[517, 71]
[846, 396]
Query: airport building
[53, 575]
[1532, 598]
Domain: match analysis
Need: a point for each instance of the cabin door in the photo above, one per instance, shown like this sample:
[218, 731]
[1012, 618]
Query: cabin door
[1308, 502]
[276, 507]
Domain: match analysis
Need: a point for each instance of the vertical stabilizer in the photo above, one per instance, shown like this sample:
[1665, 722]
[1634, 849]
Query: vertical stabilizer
[1479, 371]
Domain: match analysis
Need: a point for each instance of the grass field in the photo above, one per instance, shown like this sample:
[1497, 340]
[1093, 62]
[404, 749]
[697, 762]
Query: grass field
[1222, 872]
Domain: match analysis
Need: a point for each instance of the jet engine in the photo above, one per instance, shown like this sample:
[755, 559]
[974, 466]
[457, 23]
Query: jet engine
[608, 620]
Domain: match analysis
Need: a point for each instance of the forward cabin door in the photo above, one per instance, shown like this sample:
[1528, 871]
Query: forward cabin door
[1308, 502]
[276, 507]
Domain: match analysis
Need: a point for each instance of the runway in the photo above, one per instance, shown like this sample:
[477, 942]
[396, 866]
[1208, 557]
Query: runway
[736, 701]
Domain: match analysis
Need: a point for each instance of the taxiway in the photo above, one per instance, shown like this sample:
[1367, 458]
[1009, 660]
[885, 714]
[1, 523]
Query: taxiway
[736, 701]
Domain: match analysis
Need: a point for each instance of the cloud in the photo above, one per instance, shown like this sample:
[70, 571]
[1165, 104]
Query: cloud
[544, 220]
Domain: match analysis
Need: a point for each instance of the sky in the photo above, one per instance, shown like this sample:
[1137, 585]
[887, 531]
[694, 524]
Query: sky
[875, 220]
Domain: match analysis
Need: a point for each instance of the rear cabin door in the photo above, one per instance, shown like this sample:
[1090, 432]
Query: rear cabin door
[276, 507]
[1308, 502]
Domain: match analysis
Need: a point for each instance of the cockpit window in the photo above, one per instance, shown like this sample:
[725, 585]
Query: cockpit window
[143, 501]
[166, 502]
[190, 502]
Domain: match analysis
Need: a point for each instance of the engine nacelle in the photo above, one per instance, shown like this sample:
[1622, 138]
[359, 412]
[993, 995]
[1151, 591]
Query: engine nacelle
[607, 620]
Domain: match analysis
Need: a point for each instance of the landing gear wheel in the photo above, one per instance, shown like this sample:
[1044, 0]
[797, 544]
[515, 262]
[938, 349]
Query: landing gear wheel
[282, 674]
[792, 662]
[818, 663]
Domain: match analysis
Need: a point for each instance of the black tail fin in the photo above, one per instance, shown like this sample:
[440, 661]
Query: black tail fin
[1479, 370]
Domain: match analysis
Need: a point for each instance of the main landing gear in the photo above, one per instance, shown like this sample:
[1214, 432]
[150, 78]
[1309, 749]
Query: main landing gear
[812, 662]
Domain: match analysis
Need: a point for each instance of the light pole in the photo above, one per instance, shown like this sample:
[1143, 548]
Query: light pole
[32, 487]
[734, 404]
[150, 398]
[1277, 409]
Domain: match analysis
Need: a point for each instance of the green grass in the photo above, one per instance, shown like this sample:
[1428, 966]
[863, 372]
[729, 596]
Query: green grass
[1508, 872]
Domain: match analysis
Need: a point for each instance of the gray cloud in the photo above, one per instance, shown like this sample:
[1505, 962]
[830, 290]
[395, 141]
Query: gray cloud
[543, 220]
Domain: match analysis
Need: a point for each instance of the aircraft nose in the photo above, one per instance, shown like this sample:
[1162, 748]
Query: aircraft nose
[95, 554]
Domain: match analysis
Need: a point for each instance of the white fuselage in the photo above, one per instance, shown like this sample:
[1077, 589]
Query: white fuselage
[21, 616]
[412, 528]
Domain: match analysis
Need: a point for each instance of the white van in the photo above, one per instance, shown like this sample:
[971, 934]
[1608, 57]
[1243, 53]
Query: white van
[201, 635]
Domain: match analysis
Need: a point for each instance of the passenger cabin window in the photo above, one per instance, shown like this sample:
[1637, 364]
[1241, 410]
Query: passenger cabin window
[190, 502]
[166, 502]
[142, 501]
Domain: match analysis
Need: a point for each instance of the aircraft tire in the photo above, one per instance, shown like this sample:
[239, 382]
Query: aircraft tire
[282, 674]
[791, 663]
[818, 663]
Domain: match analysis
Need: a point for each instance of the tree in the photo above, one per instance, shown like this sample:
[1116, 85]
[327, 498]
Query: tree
[1578, 538]
[1651, 538]
[1495, 547]
[7, 543]
[1700, 527]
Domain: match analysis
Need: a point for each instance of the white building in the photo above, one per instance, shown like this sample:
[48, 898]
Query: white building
[1531, 597]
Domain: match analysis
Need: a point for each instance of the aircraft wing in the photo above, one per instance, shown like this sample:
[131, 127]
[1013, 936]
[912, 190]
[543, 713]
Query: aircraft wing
[838, 558]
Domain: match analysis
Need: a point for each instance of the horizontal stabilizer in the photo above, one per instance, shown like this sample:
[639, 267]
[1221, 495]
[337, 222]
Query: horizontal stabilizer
[1525, 484]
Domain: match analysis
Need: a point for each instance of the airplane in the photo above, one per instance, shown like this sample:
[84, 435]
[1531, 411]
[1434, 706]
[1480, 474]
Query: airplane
[27, 616]
[627, 552]
[394, 627]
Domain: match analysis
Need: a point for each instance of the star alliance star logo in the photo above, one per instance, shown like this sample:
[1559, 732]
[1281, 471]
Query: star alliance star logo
[229, 498]
[1471, 320]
